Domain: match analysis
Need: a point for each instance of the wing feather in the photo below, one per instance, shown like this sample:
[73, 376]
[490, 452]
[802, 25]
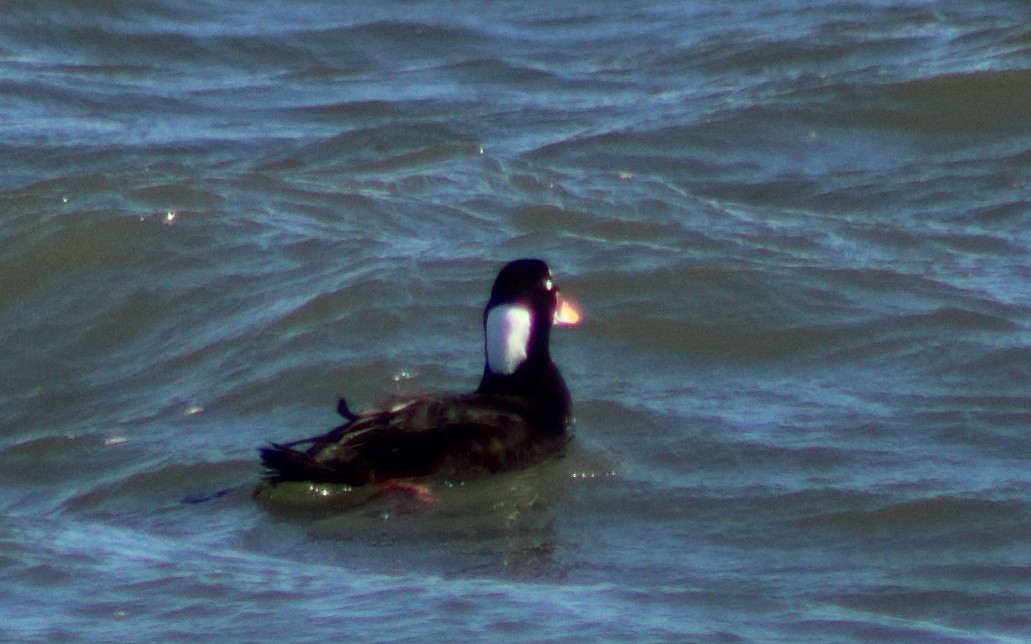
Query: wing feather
[452, 435]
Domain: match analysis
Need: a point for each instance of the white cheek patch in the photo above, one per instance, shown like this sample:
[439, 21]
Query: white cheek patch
[508, 334]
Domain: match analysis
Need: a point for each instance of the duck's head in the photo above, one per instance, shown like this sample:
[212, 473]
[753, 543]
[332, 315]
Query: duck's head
[524, 304]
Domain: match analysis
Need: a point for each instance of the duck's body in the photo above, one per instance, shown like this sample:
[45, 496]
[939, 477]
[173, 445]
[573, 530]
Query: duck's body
[453, 435]
[517, 416]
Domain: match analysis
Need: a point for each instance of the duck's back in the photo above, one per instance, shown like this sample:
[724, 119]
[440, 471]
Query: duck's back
[458, 435]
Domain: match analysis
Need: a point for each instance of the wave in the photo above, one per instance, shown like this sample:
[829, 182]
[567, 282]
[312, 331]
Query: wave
[167, 486]
[385, 148]
[991, 100]
[944, 512]
[745, 312]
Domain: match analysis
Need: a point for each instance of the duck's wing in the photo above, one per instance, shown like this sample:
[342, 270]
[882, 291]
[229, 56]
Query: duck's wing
[450, 435]
[332, 435]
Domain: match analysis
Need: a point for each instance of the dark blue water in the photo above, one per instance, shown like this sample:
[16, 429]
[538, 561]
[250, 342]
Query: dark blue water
[800, 233]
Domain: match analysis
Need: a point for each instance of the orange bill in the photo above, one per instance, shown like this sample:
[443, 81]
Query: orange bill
[566, 312]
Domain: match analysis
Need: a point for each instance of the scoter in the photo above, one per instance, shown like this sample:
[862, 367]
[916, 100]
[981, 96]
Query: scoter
[519, 414]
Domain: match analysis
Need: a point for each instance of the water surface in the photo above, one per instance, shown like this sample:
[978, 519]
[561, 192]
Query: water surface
[800, 233]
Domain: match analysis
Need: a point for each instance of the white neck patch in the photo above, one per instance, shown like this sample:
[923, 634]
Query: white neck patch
[508, 334]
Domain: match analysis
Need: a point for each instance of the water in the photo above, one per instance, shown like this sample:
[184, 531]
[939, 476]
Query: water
[800, 232]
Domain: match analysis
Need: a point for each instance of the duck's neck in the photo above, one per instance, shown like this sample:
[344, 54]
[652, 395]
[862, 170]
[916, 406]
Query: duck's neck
[538, 376]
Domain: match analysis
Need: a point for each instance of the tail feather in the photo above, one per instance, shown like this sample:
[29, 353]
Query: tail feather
[283, 463]
[286, 464]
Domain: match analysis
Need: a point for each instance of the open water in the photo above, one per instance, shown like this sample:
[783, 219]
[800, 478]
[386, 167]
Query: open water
[800, 231]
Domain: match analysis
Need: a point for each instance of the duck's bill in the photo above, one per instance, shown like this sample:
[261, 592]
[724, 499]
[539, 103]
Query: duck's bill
[566, 312]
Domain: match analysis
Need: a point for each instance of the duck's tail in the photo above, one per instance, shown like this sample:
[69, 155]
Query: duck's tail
[283, 463]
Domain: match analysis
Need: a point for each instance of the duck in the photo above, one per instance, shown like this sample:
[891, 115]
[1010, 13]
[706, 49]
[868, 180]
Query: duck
[519, 415]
